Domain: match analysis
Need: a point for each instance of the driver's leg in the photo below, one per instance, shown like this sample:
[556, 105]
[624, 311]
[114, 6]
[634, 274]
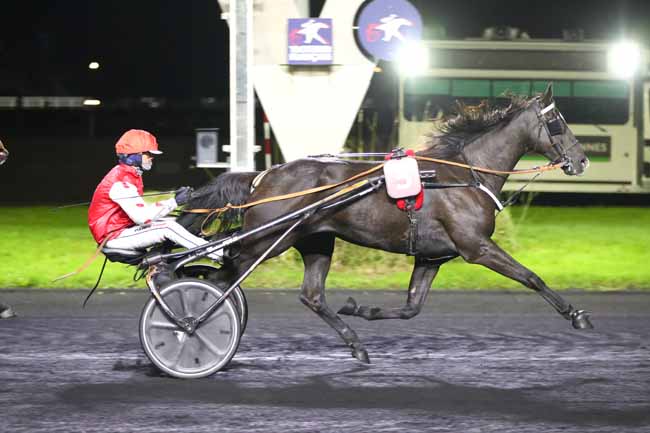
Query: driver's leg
[144, 236]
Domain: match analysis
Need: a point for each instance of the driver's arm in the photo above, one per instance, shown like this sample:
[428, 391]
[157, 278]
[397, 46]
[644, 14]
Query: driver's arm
[126, 195]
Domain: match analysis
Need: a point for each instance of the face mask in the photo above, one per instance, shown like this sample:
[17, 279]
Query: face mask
[146, 165]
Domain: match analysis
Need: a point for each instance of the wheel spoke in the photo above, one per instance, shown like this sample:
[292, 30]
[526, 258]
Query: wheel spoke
[181, 293]
[206, 341]
[162, 325]
[217, 314]
[178, 356]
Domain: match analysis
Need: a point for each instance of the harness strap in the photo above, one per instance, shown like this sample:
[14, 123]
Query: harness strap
[258, 179]
[413, 232]
[230, 206]
[491, 195]
[514, 196]
[488, 170]
[338, 193]
[286, 196]
[547, 108]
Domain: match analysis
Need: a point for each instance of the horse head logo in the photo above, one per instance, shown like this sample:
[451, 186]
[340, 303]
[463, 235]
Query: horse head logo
[308, 33]
[387, 29]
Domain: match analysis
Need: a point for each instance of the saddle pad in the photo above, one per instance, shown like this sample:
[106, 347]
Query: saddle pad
[402, 177]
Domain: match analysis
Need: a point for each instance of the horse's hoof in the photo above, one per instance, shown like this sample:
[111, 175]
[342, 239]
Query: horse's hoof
[7, 313]
[349, 308]
[580, 320]
[361, 355]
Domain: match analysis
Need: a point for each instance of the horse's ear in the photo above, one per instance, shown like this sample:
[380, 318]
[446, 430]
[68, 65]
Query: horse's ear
[547, 97]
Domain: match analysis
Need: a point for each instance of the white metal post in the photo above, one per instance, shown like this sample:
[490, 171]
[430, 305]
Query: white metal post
[242, 100]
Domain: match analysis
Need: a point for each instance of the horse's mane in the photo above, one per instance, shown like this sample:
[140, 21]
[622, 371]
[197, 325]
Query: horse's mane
[469, 121]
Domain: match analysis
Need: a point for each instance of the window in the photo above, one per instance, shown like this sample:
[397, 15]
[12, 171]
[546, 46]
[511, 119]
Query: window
[580, 101]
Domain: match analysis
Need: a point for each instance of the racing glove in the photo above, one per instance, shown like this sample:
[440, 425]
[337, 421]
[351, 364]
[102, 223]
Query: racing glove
[183, 195]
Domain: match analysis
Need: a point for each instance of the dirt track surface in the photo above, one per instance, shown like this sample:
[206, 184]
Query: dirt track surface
[470, 362]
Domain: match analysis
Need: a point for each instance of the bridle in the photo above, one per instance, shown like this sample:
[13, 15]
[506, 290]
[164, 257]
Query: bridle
[552, 121]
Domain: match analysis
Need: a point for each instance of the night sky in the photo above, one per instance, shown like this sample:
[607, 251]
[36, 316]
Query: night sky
[179, 48]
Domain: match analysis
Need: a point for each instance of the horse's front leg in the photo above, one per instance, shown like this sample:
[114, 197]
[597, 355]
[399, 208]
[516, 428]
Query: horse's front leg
[316, 251]
[490, 255]
[423, 274]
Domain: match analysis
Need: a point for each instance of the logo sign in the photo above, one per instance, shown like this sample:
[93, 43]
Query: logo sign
[310, 41]
[384, 26]
[596, 147]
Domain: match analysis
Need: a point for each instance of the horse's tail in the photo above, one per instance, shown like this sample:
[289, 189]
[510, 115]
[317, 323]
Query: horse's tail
[233, 188]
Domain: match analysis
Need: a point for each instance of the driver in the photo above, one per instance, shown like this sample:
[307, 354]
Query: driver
[119, 217]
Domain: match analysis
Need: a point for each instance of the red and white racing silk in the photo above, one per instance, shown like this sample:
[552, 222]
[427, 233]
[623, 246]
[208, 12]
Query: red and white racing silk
[117, 204]
[118, 213]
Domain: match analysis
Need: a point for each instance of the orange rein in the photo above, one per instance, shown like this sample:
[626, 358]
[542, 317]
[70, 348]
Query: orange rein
[229, 206]
[490, 171]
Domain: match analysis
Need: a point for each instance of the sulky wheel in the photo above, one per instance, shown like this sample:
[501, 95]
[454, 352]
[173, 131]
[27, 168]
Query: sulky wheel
[207, 272]
[208, 349]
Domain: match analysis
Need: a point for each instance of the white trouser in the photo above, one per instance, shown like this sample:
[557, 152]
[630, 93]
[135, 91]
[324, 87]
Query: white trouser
[144, 236]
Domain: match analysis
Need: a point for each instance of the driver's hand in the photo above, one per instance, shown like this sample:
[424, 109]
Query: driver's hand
[183, 195]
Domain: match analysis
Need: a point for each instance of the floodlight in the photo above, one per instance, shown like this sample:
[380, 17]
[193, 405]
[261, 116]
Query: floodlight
[624, 59]
[413, 59]
[93, 65]
[92, 102]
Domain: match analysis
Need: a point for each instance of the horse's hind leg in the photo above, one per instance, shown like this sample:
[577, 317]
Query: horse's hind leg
[493, 257]
[316, 251]
[423, 274]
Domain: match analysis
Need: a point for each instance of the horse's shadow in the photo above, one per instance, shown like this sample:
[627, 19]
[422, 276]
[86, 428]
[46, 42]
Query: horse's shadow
[435, 397]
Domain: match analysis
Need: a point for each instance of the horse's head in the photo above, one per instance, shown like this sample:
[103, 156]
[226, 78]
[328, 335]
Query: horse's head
[553, 138]
[4, 153]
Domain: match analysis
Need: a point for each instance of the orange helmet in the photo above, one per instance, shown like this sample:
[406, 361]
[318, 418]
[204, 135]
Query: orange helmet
[137, 141]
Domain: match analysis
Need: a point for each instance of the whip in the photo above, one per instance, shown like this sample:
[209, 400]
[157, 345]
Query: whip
[135, 196]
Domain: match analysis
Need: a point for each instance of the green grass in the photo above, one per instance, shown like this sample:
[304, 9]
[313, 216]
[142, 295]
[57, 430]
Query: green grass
[583, 248]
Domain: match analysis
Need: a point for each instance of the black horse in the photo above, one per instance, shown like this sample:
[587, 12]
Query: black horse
[452, 222]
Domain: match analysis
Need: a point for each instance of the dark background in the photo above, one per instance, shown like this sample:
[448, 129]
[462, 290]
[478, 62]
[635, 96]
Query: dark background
[179, 48]
[177, 52]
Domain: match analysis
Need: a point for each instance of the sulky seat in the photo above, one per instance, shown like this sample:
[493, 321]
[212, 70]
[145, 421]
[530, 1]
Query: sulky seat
[130, 257]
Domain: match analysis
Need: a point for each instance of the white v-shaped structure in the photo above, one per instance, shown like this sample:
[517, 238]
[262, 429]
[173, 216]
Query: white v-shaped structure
[311, 108]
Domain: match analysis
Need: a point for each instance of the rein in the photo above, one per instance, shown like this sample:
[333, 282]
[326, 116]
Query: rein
[296, 194]
[541, 169]
[229, 206]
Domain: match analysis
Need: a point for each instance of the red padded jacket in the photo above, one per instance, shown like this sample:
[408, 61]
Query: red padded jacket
[105, 216]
